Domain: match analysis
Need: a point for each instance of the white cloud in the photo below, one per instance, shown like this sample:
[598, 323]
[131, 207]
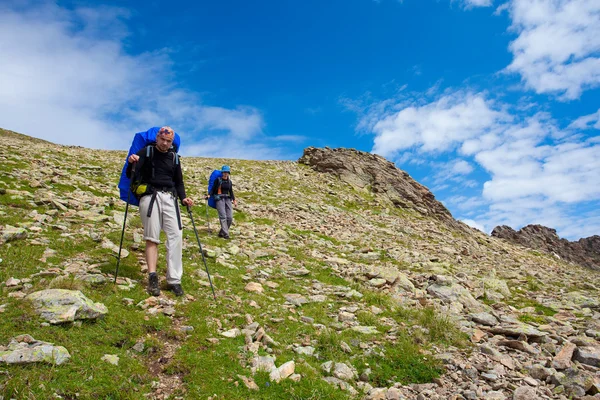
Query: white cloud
[66, 76]
[474, 224]
[477, 3]
[586, 121]
[461, 167]
[558, 45]
[536, 170]
[437, 126]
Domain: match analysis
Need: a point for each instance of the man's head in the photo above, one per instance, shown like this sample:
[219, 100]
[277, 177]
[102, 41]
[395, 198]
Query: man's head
[164, 138]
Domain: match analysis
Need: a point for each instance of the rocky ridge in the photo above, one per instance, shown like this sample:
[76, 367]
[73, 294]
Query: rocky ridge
[321, 276]
[585, 251]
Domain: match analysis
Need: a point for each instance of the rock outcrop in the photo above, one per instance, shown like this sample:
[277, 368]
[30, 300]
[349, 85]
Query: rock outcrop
[372, 172]
[585, 252]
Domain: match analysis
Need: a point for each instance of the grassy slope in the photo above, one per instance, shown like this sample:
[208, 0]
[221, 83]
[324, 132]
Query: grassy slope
[188, 363]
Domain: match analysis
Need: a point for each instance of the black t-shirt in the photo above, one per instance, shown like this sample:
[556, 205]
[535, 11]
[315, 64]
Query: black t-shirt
[226, 188]
[167, 173]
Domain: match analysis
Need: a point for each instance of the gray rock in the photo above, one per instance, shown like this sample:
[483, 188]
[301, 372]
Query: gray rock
[454, 293]
[365, 330]
[60, 305]
[575, 382]
[343, 372]
[24, 349]
[299, 272]
[232, 333]
[518, 329]
[345, 386]
[484, 318]
[588, 355]
[563, 359]
[327, 366]
[540, 372]
[111, 359]
[525, 393]
[10, 233]
[282, 372]
[306, 350]
[263, 363]
[495, 395]
[295, 299]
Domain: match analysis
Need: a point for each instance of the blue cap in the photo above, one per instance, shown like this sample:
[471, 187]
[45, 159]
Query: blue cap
[225, 168]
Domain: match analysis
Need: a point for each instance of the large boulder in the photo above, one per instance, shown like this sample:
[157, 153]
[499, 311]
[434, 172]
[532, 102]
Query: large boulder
[59, 306]
[24, 349]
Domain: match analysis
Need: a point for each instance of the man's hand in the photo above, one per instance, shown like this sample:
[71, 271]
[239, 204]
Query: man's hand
[234, 202]
[187, 202]
[133, 158]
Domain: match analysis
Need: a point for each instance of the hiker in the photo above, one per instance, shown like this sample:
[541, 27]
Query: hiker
[222, 192]
[160, 183]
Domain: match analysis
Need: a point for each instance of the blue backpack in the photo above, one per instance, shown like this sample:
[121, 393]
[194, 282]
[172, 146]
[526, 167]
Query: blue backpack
[140, 140]
[214, 177]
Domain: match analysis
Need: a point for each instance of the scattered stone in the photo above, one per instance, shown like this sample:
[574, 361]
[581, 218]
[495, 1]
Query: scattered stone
[343, 372]
[10, 233]
[24, 349]
[111, 359]
[248, 382]
[365, 330]
[232, 333]
[588, 355]
[58, 306]
[563, 359]
[295, 299]
[282, 372]
[254, 287]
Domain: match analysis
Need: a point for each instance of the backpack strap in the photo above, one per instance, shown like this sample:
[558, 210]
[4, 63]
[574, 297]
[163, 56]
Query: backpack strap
[150, 155]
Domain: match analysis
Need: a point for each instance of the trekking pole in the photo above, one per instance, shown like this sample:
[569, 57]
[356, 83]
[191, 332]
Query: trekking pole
[207, 218]
[122, 233]
[201, 251]
[124, 223]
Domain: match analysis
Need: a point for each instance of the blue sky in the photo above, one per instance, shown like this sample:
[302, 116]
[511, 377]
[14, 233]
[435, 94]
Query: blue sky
[493, 105]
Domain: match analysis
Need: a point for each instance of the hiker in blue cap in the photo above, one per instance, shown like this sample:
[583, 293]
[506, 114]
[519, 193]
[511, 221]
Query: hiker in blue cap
[222, 191]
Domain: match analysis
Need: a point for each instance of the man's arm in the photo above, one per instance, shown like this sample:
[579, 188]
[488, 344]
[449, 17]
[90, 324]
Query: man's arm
[137, 158]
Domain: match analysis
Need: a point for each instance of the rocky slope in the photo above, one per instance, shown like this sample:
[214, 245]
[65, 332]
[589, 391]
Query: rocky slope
[585, 251]
[344, 280]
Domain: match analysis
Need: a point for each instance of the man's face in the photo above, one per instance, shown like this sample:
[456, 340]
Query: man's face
[163, 143]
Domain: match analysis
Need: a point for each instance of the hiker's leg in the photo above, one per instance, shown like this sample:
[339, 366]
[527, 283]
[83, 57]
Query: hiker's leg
[229, 213]
[222, 215]
[151, 231]
[151, 255]
[174, 235]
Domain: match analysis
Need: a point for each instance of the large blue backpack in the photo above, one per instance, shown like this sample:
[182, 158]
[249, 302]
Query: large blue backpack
[214, 177]
[140, 140]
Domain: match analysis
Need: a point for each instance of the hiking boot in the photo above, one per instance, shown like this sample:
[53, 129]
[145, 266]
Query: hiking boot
[221, 234]
[177, 289]
[225, 236]
[153, 288]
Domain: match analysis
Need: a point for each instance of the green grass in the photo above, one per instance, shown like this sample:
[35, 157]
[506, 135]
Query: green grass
[114, 334]
[532, 318]
[205, 369]
[522, 302]
[399, 363]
